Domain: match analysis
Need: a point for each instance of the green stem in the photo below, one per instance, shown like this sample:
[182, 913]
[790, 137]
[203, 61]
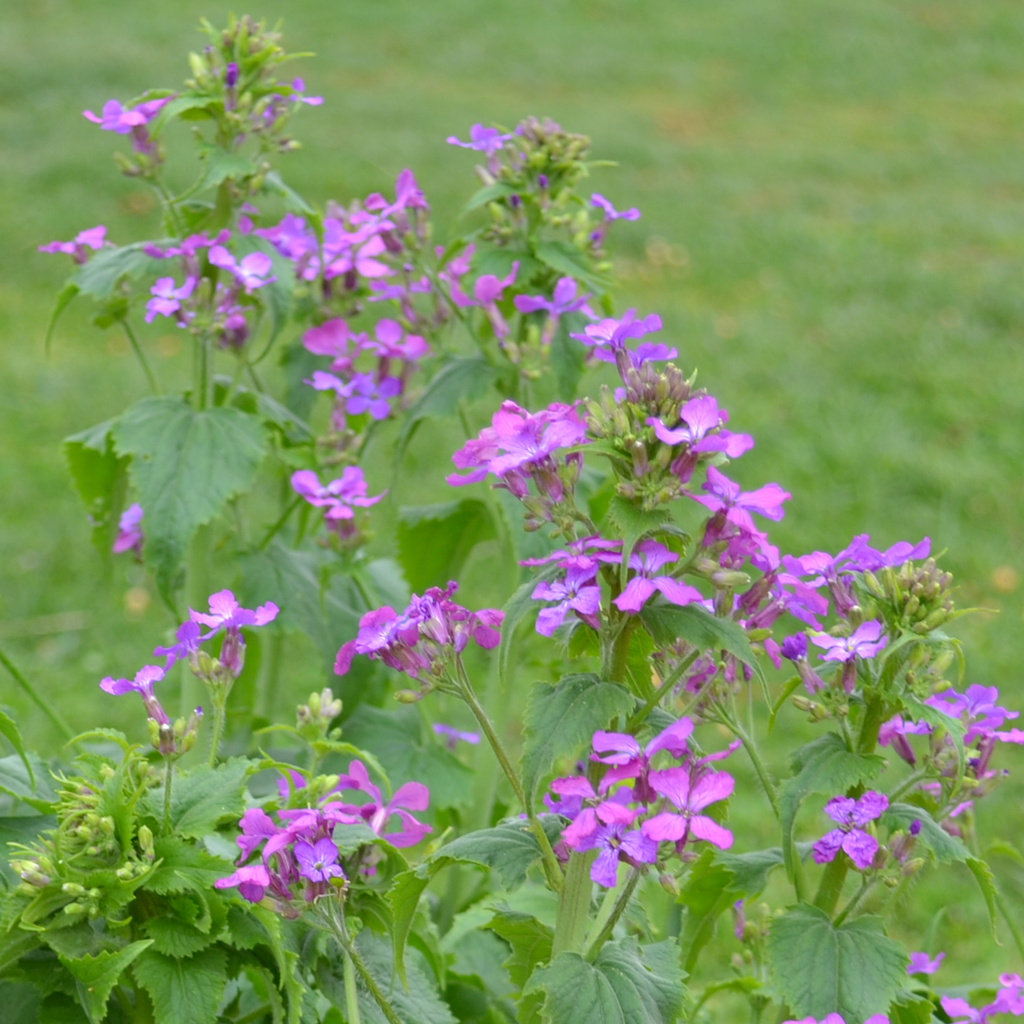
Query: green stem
[832, 884]
[337, 921]
[874, 716]
[552, 869]
[617, 911]
[276, 528]
[168, 781]
[140, 355]
[573, 906]
[351, 994]
[616, 655]
[856, 901]
[201, 383]
[908, 784]
[218, 728]
[666, 687]
[46, 709]
[750, 746]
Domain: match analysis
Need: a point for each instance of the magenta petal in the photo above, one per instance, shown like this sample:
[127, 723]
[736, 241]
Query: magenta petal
[671, 827]
[582, 829]
[639, 847]
[861, 848]
[673, 739]
[636, 593]
[705, 828]
[619, 742]
[826, 848]
[611, 813]
[604, 870]
[710, 788]
[414, 796]
[673, 783]
[676, 592]
[411, 833]
[574, 785]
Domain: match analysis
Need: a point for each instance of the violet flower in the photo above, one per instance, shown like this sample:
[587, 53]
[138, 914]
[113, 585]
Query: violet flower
[610, 213]
[412, 796]
[340, 496]
[614, 841]
[167, 299]
[725, 497]
[252, 882]
[894, 733]
[647, 558]
[453, 735]
[690, 795]
[631, 761]
[577, 591]
[298, 86]
[488, 291]
[608, 338]
[562, 301]
[334, 338]
[226, 613]
[921, 964]
[850, 814]
[594, 548]
[188, 637]
[865, 642]
[485, 140]
[251, 272]
[698, 417]
[318, 861]
[142, 684]
[116, 118]
[129, 532]
[361, 261]
[835, 1018]
[91, 238]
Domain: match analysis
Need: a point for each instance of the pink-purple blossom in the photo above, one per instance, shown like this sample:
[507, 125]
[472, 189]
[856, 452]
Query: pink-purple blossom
[142, 684]
[629, 760]
[340, 496]
[79, 249]
[251, 271]
[609, 211]
[412, 796]
[727, 498]
[690, 791]
[129, 531]
[698, 418]
[614, 841]
[576, 591]
[850, 837]
[921, 963]
[167, 299]
[864, 642]
[453, 736]
[485, 140]
[318, 861]
[647, 558]
[226, 613]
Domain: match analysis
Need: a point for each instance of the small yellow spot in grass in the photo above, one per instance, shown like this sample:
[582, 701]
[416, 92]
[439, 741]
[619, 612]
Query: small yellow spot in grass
[136, 601]
[1005, 579]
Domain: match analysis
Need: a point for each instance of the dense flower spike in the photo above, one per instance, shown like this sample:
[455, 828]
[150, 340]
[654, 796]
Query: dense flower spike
[850, 837]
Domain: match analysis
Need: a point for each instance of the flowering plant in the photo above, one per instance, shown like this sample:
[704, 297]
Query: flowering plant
[351, 866]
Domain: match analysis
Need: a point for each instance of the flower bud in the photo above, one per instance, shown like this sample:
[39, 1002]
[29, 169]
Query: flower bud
[668, 883]
[408, 696]
[146, 841]
[73, 909]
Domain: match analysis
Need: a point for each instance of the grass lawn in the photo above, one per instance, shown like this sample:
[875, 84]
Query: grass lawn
[833, 232]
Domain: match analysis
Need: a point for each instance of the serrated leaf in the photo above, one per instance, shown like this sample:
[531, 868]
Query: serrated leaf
[407, 752]
[854, 970]
[466, 377]
[945, 849]
[910, 1009]
[559, 719]
[99, 476]
[434, 541]
[632, 524]
[106, 268]
[202, 798]
[97, 975]
[35, 789]
[185, 466]
[749, 870]
[987, 884]
[669, 622]
[221, 164]
[175, 937]
[626, 984]
[186, 989]
[822, 766]
[529, 938]
[184, 867]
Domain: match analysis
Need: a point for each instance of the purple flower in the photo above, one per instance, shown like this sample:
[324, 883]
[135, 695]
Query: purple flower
[339, 496]
[92, 238]
[129, 533]
[863, 558]
[647, 558]
[610, 213]
[699, 416]
[608, 338]
[518, 440]
[361, 394]
[393, 343]
[487, 293]
[595, 548]
[562, 301]
[251, 272]
[485, 140]
[188, 639]
[142, 684]
[318, 861]
[413, 796]
[835, 1018]
[361, 261]
[252, 882]
[226, 613]
[167, 299]
[920, 964]
[613, 841]
[1008, 1000]
[297, 94]
[865, 642]
[894, 733]
[334, 338]
[690, 795]
[577, 591]
[850, 814]
[631, 761]
[726, 497]
[256, 827]
[122, 120]
[454, 735]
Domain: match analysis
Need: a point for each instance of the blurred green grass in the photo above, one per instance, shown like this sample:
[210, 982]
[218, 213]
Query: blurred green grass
[833, 231]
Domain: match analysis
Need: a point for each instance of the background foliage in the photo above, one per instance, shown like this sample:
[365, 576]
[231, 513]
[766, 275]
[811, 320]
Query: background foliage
[832, 233]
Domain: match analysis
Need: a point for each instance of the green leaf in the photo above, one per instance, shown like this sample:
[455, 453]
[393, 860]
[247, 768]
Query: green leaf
[488, 194]
[434, 541]
[987, 884]
[97, 975]
[669, 622]
[64, 298]
[407, 752]
[749, 870]
[560, 719]
[20, 1003]
[175, 937]
[516, 608]
[633, 523]
[10, 731]
[570, 261]
[202, 798]
[822, 766]
[28, 779]
[854, 970]
[186, 989]
[222, 164]
[466, 377]
[293, 202]
[185, 465]
[910, 1009]
[184, 867]
[99, 478]
[276, 295]
[945, 849]
[706, 895]
[568, 355]
[529, 938]
[498, 260]
[108, 267]
[417, 1004]
[626, 984]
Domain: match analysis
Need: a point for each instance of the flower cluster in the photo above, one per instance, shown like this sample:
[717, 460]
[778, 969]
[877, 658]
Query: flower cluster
[425, 640]
[339, 498]
[299, 853]
[634, 807]
[851, 816]
[1009, 999]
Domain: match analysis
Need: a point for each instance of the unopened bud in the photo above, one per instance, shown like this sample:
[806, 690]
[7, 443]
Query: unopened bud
[668, 883]
[407, 696]
[72, 909]
[146, 841]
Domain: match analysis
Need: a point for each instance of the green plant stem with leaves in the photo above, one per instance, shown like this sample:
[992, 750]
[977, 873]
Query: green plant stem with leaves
[168, 783]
